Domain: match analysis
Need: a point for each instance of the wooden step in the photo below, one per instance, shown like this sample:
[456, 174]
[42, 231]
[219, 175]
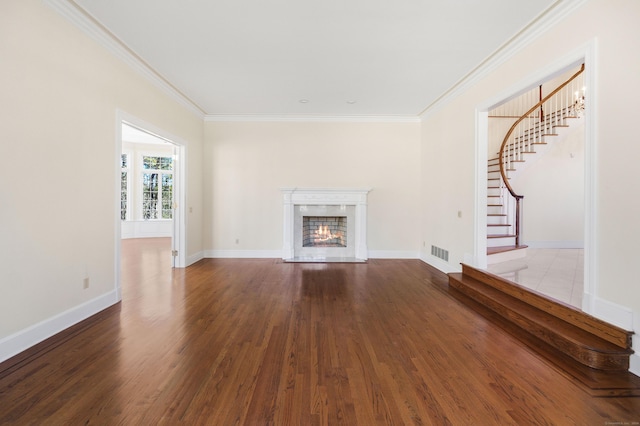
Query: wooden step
[587, 341]
[597, 383]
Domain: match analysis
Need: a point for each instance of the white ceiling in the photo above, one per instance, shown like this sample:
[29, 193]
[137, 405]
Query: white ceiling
[345, 57]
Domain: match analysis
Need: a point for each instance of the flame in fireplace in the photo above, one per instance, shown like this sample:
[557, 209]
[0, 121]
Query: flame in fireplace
[324, 234]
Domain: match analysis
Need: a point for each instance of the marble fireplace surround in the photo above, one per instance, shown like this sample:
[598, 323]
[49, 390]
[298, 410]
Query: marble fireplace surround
[313, 201]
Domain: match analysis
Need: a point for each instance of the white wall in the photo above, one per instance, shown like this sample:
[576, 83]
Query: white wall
[248, 163]
[60, 95]
[449, 137]
[553, 186]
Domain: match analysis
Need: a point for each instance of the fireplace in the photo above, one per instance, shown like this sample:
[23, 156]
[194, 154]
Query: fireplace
[325, 225]
[324, 231]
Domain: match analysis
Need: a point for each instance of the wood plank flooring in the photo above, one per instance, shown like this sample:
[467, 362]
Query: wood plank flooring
[262, 342]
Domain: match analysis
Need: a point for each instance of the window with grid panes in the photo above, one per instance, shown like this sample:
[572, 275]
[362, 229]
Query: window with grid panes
[157, 187]
[124, 182]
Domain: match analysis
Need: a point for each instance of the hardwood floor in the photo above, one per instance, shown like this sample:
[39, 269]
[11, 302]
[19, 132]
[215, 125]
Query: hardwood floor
[259, 341]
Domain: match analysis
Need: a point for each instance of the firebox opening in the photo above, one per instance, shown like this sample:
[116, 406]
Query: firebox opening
[324, 231]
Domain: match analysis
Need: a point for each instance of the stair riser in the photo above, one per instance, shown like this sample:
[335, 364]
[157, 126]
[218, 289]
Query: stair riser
[494, 191]
[496, 220]
[600, 361]
[499, 242]
[502, 229]
[494, 209]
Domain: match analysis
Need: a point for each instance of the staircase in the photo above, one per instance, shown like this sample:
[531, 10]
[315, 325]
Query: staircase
[591, 352]
[524, 143]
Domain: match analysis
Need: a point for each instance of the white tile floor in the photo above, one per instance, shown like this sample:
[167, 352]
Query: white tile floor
[558, 273]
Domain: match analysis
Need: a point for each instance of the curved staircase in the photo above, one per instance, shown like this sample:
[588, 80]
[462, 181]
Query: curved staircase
[524, 143]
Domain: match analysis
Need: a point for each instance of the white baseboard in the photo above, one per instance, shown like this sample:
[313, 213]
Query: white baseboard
[393, 254]
[277, 254]
[555, 244]
[439, 264]
[634, 364]
[610, 312]
[244, 254]
[194, 258]
[24, 339]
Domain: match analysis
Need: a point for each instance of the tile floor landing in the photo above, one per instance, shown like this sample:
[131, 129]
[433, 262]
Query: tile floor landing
[557, 273]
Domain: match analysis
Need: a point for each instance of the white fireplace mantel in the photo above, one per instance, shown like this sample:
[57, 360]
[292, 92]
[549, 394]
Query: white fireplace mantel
[356, 197]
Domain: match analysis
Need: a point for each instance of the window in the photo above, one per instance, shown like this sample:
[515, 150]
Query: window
[157, 187]
[124, 182]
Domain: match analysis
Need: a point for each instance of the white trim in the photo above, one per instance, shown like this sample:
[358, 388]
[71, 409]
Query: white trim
[30, 336]
[394, 254]
[590, 284]
[439, 264]
[91, 27]
[634, 363]
[179, 240]
[243, 254]
[540, 25]
[480, 197]
[194, 258]
[277, 254]
[612, 313]
[118, 197]
[288, 118]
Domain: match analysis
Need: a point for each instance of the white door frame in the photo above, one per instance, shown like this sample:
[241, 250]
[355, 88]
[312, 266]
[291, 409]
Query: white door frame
[586, 54]
[179, 235]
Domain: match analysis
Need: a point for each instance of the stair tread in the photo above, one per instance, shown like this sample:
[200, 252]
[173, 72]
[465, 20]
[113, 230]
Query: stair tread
[559, 327]
[498, 224]
[502, 249]
[500, 236]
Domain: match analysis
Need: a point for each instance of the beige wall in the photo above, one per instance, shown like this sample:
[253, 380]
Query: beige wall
[248, 163]
[448, 139]
[60, 96]
[553, 208]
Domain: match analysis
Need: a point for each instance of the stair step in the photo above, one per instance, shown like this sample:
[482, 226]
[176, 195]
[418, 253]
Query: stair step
[499, 224]
[504, 249]
[598, 383]
[582, 346]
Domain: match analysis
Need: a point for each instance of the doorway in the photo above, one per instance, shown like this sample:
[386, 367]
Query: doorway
[150, 193]
[482, 143]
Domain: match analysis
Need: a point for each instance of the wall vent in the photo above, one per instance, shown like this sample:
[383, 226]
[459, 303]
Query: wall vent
[440, 253]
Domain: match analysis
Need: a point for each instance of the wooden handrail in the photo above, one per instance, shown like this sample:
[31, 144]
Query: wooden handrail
[518, 121]
[503, 173]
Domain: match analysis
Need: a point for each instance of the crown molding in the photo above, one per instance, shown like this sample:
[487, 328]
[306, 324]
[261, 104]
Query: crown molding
[534, 29]
[313, 118]
[91, 27]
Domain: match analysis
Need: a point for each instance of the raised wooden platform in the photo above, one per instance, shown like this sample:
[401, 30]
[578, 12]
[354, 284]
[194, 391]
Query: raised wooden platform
[585, 348]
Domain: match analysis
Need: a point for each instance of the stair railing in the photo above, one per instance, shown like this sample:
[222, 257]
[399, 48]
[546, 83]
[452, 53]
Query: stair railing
[566, 101]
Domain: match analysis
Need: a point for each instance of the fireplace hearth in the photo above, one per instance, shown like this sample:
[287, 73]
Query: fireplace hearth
[325, 225]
